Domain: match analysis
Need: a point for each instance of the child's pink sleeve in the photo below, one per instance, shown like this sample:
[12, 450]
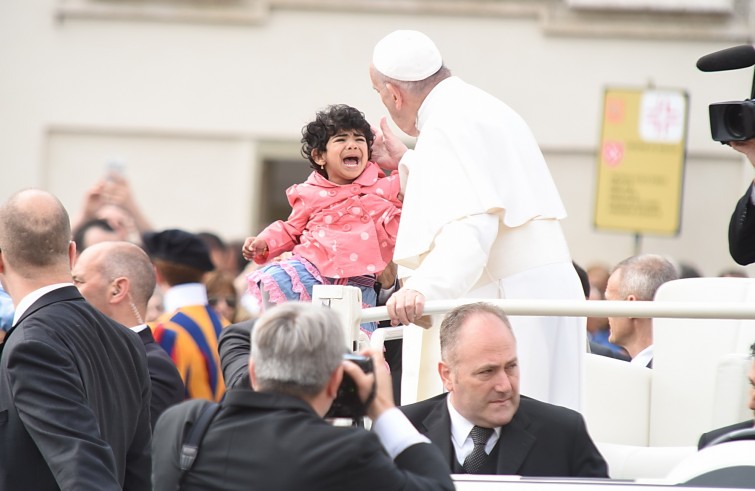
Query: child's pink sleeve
[281, 236]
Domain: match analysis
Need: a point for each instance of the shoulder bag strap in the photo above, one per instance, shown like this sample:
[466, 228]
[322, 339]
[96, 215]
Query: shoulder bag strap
[190, 447]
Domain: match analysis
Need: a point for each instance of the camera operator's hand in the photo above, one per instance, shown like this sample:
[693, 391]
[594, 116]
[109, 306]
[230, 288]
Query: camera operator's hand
[746, 147]
[380, 379]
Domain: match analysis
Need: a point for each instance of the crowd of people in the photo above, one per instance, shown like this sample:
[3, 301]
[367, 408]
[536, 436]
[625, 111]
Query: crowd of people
[135, 358]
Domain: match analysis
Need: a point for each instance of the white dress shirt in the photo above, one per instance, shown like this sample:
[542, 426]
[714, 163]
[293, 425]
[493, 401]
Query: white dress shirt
[460, 434]
[643, 357]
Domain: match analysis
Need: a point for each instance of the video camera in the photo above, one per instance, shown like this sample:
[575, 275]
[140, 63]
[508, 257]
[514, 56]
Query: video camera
[732, 120]
[347, 403]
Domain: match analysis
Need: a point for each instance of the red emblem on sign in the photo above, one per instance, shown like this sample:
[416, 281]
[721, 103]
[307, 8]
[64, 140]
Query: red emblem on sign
[613, 153]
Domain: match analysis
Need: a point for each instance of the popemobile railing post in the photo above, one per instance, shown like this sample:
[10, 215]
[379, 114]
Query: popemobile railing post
[346, 301]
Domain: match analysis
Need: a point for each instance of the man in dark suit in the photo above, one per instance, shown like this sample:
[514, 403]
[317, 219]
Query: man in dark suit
[74, 387]
[708, 437]
[519, 435]
[275, 438]
[118, 279]
[234, 347]
[742, 223]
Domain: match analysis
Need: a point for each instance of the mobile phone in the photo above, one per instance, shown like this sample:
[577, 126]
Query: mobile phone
[115, 167]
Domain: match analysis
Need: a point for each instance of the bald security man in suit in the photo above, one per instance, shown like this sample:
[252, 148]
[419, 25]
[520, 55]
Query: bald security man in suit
[118, 279]
[74, 386]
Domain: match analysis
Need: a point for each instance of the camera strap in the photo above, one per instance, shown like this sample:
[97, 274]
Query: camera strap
[190, 447]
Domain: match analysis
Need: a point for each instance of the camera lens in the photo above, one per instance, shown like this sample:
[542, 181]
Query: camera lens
[734, 120]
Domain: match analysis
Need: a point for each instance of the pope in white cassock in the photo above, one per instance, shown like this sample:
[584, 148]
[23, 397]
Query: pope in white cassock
[481, 211]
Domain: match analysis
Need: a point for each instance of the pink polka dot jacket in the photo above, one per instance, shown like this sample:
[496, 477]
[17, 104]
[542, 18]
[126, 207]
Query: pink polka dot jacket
[344, 230]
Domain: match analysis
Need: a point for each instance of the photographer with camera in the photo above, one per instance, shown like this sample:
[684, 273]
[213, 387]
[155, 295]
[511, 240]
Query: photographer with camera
[275, 437]
[733, 123]
[742, 224]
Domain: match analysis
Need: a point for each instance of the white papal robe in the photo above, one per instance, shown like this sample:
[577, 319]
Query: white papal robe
[481, 220]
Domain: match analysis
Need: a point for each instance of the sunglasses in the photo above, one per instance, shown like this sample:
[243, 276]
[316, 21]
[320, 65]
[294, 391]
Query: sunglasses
[230, 301]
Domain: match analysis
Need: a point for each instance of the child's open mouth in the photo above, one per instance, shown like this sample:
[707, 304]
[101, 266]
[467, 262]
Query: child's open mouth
[351, 161]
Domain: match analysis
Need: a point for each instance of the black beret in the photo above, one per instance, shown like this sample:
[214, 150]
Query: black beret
[178, 246]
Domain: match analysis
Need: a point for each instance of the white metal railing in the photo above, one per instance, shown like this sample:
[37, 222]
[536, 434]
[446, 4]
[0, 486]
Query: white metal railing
[346, 301]
[571, 308]
[591, 308]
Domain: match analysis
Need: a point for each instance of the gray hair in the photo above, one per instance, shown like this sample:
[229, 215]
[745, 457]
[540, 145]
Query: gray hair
[296, 346]
[454, 321]
[642, 275]
[419, 86]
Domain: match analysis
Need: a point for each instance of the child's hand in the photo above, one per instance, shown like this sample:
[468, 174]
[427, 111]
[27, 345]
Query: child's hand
[255, 249]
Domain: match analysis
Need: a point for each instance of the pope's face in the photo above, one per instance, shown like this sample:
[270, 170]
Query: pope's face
[482, 377]
[402, 111]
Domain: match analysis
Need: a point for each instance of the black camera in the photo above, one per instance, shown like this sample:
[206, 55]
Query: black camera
[732, 121]
[347, 403]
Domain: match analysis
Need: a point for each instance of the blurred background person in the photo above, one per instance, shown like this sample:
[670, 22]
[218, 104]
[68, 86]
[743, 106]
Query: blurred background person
[637, 278]
[597, 274]
[688, 270]
[111, 199]
[592, 346]
[223, 296]
[733, 273]
[189, 328]
[155, 306]
[597, 327]
[6, 313]
[221, 254]
[94, 231]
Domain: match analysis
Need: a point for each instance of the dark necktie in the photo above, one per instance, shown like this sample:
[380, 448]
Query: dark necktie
[474, 461]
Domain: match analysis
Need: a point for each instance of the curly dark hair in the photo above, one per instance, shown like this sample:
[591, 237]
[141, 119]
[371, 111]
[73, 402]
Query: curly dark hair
[328, 122]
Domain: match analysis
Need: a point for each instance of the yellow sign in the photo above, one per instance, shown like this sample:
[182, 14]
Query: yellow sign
[641, 161]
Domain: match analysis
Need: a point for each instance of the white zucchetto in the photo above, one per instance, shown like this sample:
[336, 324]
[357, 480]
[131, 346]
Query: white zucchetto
[407, 56]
